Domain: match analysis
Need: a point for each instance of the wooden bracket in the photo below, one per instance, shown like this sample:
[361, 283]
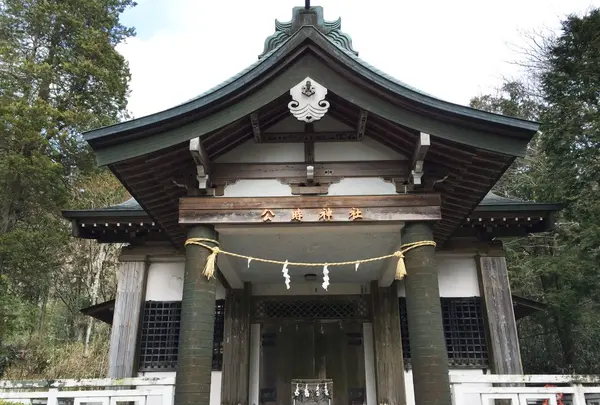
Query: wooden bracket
[255, 127]
[202, 163]
[418, 159]
[361, 125]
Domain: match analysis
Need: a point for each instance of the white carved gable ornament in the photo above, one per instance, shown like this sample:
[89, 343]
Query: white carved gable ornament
[308, 101]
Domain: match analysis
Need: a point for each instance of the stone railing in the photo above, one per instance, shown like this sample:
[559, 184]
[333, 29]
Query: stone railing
[142, 391]
[466, 390]
[525, 389]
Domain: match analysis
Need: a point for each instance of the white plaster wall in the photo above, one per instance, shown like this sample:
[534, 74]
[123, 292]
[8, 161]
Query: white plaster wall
[293, 152]
[457, 277]
[258, 188]
[165, 282]
[252, 152]
[468, 399]
[274, 188]
[366, 150]
[215, 386]
[362, 186]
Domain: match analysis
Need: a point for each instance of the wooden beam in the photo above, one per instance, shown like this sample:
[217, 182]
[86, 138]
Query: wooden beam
[137, 253]
[419, 157]
[324, 172]
[324, 136]
[126, 320]
[202, 163]
[309, 190]
[502, 334]
[255, 127]
[199, 153]
[309, 145]
[236, 347]
[309, 152]
[244, 203]
[389, 363]
[361, 126]
[310, 216]
[312, 209]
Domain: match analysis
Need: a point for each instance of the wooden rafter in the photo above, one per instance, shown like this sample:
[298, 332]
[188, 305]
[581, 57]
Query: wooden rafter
[418, 158]
[202, 161]
[255, 127]
[361, 126]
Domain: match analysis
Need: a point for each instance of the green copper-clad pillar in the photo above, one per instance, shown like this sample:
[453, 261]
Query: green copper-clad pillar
[192, 386]
[429, 357]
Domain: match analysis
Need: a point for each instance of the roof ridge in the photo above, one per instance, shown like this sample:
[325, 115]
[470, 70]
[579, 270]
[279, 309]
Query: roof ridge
[301, 17]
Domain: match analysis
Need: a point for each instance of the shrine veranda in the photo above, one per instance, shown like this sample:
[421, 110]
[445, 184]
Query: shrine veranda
[312, 231]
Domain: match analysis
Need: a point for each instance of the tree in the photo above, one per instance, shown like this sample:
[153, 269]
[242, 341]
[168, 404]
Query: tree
[517, 99]
[59, 76]
[88, 272]
[562, 165]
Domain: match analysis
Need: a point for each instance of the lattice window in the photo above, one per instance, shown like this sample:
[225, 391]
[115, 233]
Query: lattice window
[349, 307]
[160, 335]
[464, 331]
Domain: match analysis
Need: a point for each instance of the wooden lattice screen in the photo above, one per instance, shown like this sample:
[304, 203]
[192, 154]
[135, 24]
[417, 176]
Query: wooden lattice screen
[160, 336]
[464, 330]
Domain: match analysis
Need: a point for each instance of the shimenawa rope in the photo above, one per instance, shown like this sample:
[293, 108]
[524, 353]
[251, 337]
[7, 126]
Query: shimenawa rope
[209, 268]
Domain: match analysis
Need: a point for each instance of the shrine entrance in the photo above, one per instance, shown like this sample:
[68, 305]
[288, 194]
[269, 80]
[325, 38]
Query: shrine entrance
[314, 344]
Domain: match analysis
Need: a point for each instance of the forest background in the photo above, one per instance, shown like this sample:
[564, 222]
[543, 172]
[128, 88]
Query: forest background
[60, 75]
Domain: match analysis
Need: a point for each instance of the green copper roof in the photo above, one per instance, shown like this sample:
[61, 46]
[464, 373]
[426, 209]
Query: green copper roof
[148, 134]
[313, 16]
[128, 208]
[494, 202]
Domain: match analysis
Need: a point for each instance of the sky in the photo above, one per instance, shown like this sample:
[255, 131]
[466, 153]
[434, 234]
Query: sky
[451, 49]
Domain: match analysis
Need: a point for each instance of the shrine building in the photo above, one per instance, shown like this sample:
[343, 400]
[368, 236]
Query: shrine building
[312, 230]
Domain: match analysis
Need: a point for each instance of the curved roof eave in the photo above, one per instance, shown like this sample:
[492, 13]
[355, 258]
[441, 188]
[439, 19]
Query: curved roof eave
[223, 90]
[210, 95]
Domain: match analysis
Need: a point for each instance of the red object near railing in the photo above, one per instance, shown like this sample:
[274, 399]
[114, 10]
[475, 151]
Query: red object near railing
[559, 396]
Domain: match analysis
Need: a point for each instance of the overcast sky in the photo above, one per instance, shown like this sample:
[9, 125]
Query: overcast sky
[452, 49]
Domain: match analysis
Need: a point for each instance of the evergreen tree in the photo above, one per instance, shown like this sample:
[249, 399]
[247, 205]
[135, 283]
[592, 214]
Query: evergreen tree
[59, 75]
[560, 268]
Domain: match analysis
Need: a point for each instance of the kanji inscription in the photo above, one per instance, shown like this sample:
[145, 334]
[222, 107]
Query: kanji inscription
[326, 214]
[267, 215]
[297, 215]
[355, 214]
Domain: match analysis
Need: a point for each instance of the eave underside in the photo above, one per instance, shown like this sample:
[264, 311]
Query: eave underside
[463, 175]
